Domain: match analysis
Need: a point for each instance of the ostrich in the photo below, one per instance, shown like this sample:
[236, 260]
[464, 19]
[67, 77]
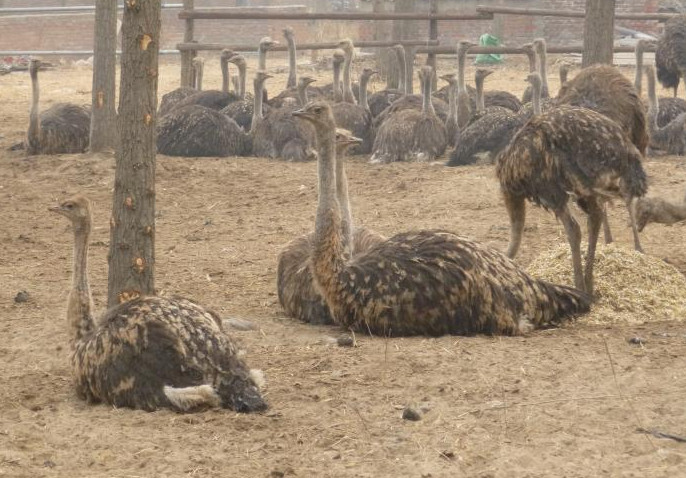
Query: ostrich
[349, 49]
[670, 55]
[480, 75]
[150, 352]
[451, 128]
[381, 100]
[170, 100]
[530, 53]
[214, 99]
[658, 210]
[61, 129]
[422, 282]
[464, 107]
[241, 111]
[357, 118]
[569, 151]
[670, 138]
[337, 64]
[411, 134]
[541, 61]
[289, 34]
[564, 74]
[297, 292]
[278, 134]
[669, 108]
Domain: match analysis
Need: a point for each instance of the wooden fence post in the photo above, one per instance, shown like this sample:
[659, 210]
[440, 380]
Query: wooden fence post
[187, 56]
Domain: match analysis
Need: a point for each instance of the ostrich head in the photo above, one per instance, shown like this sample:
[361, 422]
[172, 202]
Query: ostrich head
[528, 48]
[267, 43]
[425, 73]
[238, 60]
[464, 45]
[482, 73]
[77, 209]
[539, 45]
[305, 81]
[367, 73]
[227, 54]
[318, 113]
[451, 78]
[262, 76]
[338, 56]
[346, 45]
[346, 138]
[643, 44]
[289, 33]
[534, 79]
[34, 65]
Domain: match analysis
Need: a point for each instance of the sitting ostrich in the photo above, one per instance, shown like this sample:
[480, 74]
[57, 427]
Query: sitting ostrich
[295, 285]
[670, 55]
[569, 152]
[357, 117]
[150, 352]
[380, 100]
[421, 282]
[670, 138]
[658, 210]
[171, 99]
[61, 129]
[241, 111]
[411, 134]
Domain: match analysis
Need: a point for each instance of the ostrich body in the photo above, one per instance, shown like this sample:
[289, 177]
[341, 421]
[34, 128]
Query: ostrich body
[357, 118]
[381, 100]
[669, 108]
[604, 89]
[241, 111]
[658, 210]
[423, 282]
[569, 151]
[297, 292]
[171, 99]
[150, 352]
[670, 138]
[670, 55]
[278, 134]
[64, 128]
[411, 134]
[214, 99]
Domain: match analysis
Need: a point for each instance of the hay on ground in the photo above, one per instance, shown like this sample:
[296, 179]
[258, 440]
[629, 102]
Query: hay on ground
[629, 287]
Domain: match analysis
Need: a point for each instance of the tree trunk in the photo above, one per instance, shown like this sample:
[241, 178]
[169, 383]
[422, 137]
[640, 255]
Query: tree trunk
[103, 133]
[132, 225]
[598, 32]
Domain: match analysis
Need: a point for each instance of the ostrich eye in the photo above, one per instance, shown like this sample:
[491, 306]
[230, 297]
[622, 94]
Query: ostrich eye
[317, 109]
[69, 206]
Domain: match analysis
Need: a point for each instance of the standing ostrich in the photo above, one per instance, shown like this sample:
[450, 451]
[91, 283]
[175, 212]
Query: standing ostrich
[170, 100]
[278, 134]
[150, 352]
[63, 128]
[241, 111]
[669, 108]
[357, 118]
[297, 292]
[422, 282]
[670, 55]
[569, 151]
[670, 138]
[411, 134]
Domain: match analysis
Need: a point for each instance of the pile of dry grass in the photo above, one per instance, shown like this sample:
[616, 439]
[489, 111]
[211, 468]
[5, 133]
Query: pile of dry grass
[629, 287]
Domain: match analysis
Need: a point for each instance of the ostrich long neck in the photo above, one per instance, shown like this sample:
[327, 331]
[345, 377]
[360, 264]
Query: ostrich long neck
[292, 65]
[329, 249]
[241, 80]
[461, 66]
[79, 309]
[261, 58]
[427, 105]
[34, 114]
[452, 101]
[337, 92]
[199, 69]
[225, 75]
[480, 105]
[402, 67]
[531, 56]
[344, 201]
[348, 95]
[543, 68]
[536, 97]
[364, 82]
[638, 81]
[257, 104]
[302, 94]
[653, 105]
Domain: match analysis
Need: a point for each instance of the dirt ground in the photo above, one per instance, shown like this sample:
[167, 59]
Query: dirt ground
[566, 402]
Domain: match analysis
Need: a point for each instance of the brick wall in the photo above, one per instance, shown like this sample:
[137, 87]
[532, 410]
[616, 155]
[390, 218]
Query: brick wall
[75, 32]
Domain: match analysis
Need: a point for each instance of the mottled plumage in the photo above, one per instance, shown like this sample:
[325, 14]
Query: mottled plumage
[357, 118]
[63, 128]
[670, 138]
[670, 55]
[411, 102]
[150, 352]
[198, 131]
[171, 99]
[425, 282]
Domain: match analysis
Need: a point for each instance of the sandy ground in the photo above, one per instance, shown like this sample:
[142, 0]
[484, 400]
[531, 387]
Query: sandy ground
[565, 402]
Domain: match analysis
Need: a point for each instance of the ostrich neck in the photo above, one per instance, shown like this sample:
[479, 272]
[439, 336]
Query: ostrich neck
[344, 201]
[427, 105]
[198, 77]
[461, 65]
[638, 81]
[653, 105]
[80, 308]
[257, 104]
[34, 114]
[261, 59]
[480, 105]
[402, 67]
[364, 82]
[532, 61]
[337, 92]
[225, 75]
[537, 98]
[452, 101]
[348, 95]
[302, 95]
[328, 248]
[543, 70]
[563, 76]
[241, 80]
[292, 66]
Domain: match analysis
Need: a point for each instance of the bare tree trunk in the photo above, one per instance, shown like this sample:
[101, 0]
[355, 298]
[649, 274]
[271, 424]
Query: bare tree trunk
[598, 32]
[103, 133]
[132, 225]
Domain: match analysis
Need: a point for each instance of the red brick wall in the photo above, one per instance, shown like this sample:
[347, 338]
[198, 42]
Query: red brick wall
[75, 32]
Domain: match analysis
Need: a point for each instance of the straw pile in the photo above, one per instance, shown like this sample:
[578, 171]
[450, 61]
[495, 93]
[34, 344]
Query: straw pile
[630, 288]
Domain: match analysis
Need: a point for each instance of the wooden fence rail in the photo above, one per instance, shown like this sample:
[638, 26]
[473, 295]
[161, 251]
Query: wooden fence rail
[192, 46]
[569, 13]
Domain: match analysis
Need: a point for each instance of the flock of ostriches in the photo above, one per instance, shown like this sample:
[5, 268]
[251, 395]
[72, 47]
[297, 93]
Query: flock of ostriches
[586, 145]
